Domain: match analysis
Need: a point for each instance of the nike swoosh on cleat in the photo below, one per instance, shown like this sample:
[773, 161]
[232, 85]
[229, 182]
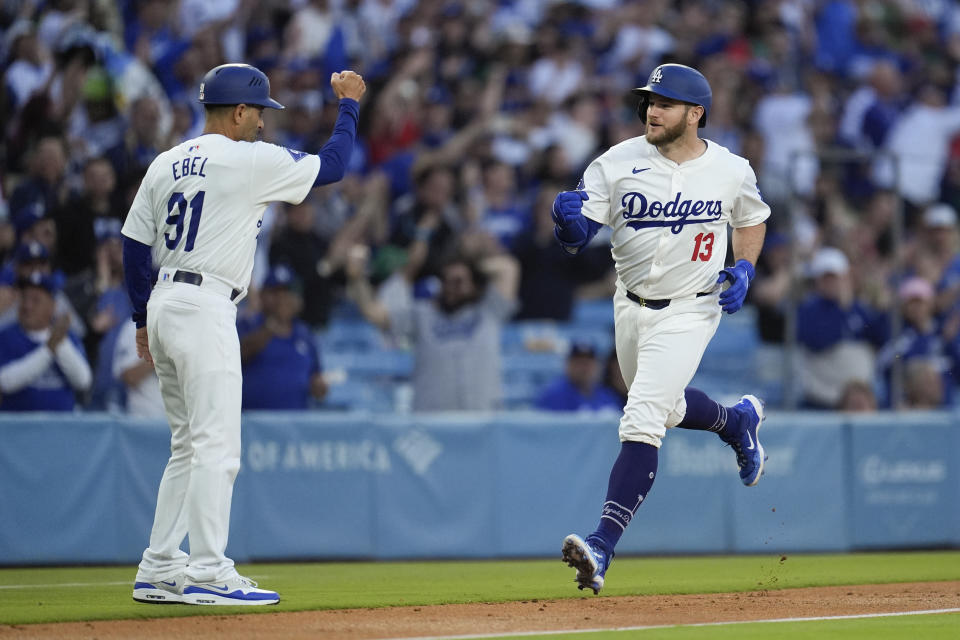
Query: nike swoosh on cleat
[750, 438]
[213, 586]
[635, 170]
[169, 584]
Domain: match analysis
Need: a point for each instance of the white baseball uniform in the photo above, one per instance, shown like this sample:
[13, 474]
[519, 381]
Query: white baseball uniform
[669, 242]
[200, 207]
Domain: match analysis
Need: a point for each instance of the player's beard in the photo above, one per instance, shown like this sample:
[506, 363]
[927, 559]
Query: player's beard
[667, 135]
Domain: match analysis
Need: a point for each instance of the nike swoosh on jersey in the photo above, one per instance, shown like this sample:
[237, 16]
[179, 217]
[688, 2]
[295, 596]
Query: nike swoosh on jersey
[635, 170]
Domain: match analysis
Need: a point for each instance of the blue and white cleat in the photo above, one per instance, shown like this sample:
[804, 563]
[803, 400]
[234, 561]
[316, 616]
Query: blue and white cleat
[169, 591]
[746, 443]
[590, 561]
[232, 591]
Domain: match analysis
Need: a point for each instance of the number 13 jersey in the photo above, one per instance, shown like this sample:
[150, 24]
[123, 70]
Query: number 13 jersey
[670, 220]
[201, 203]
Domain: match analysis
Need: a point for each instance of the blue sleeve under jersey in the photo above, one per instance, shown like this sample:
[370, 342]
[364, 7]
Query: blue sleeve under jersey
[335, 155]
[137, 271]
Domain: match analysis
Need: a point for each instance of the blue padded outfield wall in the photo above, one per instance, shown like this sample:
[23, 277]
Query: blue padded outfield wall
[81, 489]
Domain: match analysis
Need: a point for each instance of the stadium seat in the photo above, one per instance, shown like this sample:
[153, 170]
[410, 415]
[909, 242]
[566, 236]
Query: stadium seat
[595, 313]
[351, 335]
[384, 363]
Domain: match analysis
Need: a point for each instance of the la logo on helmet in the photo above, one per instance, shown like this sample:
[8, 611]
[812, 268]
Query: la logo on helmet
[656, 77]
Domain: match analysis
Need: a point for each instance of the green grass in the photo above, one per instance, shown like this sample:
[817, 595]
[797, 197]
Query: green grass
[342, 585]
[928, 627]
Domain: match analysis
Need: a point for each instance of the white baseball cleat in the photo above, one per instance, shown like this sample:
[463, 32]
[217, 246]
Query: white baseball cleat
[232, 591]
[169, 591]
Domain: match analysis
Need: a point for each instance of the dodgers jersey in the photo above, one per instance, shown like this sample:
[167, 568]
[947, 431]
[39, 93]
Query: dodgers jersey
[201, 203]
[670, 220]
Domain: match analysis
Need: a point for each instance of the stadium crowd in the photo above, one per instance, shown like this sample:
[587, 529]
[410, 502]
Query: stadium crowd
[477, 114]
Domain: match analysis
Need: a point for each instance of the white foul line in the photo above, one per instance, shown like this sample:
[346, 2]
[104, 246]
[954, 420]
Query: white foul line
[695, 624]
[63, 584]
[84, 584]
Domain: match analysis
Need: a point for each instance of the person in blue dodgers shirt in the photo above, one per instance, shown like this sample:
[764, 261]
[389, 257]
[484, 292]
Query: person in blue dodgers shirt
[42, 365]
[580, 387]
[281, 363]
[837, 331]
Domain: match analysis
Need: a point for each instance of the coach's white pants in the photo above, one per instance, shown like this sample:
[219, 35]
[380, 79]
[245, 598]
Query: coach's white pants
[659, 352]
[196, 353]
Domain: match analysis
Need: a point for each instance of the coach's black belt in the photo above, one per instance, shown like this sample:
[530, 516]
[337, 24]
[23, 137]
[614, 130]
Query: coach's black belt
[656, 304]
[196, 278]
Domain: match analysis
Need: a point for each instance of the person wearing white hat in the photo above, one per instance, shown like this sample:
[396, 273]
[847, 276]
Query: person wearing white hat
[837, 333]
[941, 216]
[937, 254]
[940, 238]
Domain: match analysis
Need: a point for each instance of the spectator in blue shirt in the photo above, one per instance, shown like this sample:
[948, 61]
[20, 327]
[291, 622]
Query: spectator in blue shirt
[579, 389]
[838, 333]
[44, 189]
[504, 214]
[28, 258]
[281, 363]
[42, 365]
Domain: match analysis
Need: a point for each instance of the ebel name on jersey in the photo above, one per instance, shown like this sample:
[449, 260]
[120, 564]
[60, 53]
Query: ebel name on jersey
[674, 214]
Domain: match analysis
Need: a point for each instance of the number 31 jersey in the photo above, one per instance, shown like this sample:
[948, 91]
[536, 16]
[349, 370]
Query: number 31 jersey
[201, 203]
[670, 220]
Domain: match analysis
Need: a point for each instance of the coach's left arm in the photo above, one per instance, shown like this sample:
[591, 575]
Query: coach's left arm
[349, 87]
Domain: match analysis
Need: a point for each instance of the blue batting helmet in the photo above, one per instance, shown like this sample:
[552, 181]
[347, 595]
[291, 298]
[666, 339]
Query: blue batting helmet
[679, 82]
[237, 84]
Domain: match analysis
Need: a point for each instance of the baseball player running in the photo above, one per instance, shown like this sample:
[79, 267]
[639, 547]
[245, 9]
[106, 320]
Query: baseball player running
[196, 217]
[668, 196]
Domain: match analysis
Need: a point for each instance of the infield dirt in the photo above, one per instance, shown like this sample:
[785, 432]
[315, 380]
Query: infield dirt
[588, 612]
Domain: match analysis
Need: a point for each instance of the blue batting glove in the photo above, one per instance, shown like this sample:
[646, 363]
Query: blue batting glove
[739, 276]
[567, 207]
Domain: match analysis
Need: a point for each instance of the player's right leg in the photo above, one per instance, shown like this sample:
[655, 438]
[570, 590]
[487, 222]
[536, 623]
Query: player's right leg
[160, 575]
[208, 362]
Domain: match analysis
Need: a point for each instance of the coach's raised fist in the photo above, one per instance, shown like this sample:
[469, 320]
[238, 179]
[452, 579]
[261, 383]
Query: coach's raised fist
[567, 206]
[348, 84]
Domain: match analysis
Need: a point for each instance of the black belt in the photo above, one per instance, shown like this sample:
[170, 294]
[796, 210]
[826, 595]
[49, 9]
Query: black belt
[196, 279]
[656, 305]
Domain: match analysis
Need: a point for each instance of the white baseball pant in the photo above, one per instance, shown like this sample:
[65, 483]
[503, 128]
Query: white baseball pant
[196, 354]
[659, 351]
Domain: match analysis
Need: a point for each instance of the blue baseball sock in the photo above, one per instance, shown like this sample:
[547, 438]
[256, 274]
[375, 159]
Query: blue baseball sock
[630, 481]
[703, 414]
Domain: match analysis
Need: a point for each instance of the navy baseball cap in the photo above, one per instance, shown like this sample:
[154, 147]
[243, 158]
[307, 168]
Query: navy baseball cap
[582, 348]
[282, 276]
[42, 280]
[30, 251]
[25, 217]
